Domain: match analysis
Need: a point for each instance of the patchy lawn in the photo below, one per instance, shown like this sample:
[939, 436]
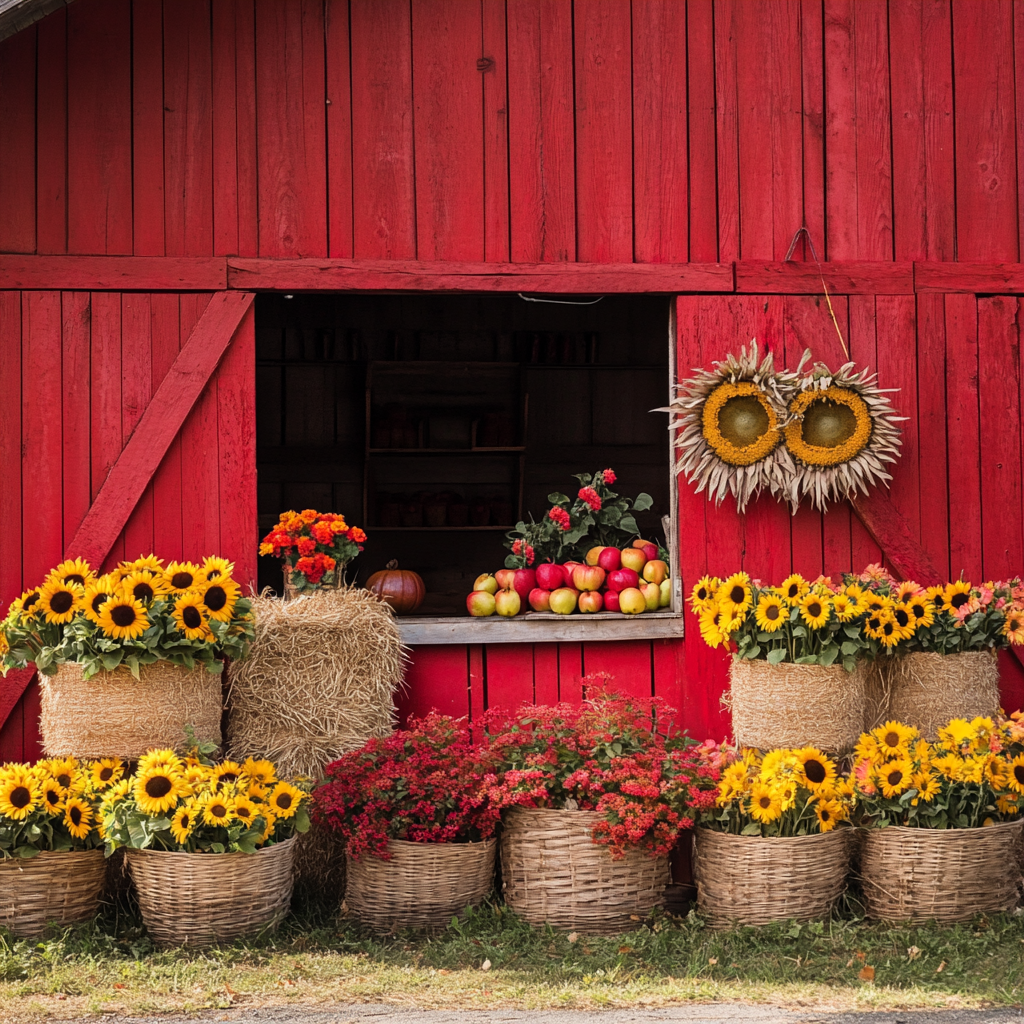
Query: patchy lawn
[846, 964]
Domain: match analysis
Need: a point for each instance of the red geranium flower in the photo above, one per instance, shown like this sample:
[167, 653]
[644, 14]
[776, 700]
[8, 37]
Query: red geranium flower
[561, 517]
[608, 475]
[591, 497]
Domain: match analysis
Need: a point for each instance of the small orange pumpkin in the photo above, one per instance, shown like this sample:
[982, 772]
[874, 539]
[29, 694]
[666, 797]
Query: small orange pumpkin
[403, 589]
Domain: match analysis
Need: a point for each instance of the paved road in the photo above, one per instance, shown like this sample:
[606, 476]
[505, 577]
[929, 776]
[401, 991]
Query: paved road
[719, 1013]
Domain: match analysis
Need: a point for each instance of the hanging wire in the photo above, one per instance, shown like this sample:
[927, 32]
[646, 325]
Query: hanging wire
[803, 230]
[560, 302]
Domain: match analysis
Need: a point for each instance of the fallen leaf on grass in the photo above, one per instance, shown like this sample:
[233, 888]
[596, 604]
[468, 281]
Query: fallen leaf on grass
[913, 953]
[118, 984]
[712, 960]
[867, 973]
[486, 965]
[625, 949]
[860, 956]
[940, 967]
[573, 936]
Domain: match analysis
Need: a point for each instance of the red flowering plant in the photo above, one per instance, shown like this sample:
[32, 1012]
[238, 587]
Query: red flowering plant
[615, 755]
[597, 516]
[423, 784]
[314, 546]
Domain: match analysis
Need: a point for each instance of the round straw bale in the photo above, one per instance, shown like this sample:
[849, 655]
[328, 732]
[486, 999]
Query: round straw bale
[115, 715]
[796, 705]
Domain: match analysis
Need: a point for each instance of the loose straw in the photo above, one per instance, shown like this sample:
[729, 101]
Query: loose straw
[792, 245]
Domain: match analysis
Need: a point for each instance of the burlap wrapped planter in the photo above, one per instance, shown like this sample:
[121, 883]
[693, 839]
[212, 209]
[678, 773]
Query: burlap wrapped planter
[57, 888]
[196, 899]
[922, 874]
[554, 873]
[423, 885]
[750, 880]
[926, 690]
[115, 715]
[796, 705]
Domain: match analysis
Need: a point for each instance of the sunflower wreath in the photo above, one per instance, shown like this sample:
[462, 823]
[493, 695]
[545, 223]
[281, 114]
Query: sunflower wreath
[841, 433]
[730, 424]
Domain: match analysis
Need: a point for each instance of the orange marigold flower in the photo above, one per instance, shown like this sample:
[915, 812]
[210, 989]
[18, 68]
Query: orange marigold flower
[295, 524]
[266, 549]
[309, 515]
[306, 545]
[338, 526]
[322, 532]
[305, 565]
[329, 563]
[356, 535]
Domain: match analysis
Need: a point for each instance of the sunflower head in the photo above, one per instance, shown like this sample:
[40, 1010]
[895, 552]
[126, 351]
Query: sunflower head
[815, 610]
[818, 771]
[895, 777]
[62, 770]
[765, 803]
[78, 817]
[829, 813]
[244, 810]
[217, 809]
[285, 799]
[893, 739]
[182, 576]
[734, 596]
[771, 613]
[703, 592]
[160, 758]
[219, 597]
[157, 790]
[97, 593]
[106, 772]
[123, 617]
[74, 571]
[215, 568]
[60, 602]
[192, 616]
[144, 563]
[144, 586]
[227, 773]
[52, 797]
[27, 606]
[183, 823]
[261, 771]
[955, 595]
[19, 795]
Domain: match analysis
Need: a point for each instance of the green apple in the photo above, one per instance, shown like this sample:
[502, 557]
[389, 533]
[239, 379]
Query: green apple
[666, 594]
[485, 581]
[632, 602]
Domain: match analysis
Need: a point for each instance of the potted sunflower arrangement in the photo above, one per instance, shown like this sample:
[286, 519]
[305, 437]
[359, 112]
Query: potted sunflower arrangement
[774, 845]
[129, 658]
[51, 848]
[797, 674]
[941, 821]
[194, 831]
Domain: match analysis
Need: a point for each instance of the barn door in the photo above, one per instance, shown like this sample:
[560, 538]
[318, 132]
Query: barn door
[134, 433]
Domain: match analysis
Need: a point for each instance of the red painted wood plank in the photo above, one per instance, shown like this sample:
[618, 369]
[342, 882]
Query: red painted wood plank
[962, 415]
[494, 47]
[291, 126]
[402, 275]
[18, 142]
[32, 743]
[509, 675]
[604, 172]
[339, 130]
[137, 387]
[167, 481]
[628, 662]
[921, 72]
[846, 277]
[224, 127]
[236, 429]
[12, 741]
[727, 134]
[660, 172]
[542, 185]
[10, 451]
[245, 128]
[702, 162]
[893, 534]
[1011, 681]
[545, 673]
[148, 129]
[1004, 278]
[436, 679]
[1002, 540]
[812, 65]
[931, 429]
[76, 385]
[99, 128]
[667, 664]
[570, 673]
[987, 223]
[51, 134]
[188, 129]
[174, 398]
[448, 130]
[477, 681]
[41, 432]
[113, 273]
[382, 124]
[1018, 79]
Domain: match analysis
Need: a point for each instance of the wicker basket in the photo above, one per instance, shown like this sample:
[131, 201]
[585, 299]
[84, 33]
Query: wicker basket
[750, 880]
[51, 887]
[796, 705]
[926, 690]
[196, 899]
[424, 885]
[554, 873]
[115, 715]
[922, 874]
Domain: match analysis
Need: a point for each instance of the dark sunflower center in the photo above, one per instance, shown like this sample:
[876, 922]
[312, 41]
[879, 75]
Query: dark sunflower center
[793, 590]
[894, 778]
[736, 595]
[75, 578]
[218, 810]
[284, 801]
[702, 594]
[874, 622]
[1018, 773]
[213, 574]
[743, 420]
[62, 601]
[106, 774]
[185, 821]
[182, 580]
[52, 797]
[75, 814]
[815, 771]
[192, 616]
[918, 610]
[215, 598]
[97, 603]
[20, 797]
[891, 739]
[902, 617]
[888, 628]
[31, 600]
[814, 609]
[772, 612]
[229, 777]
[826, 815]
[64, 780]
[959, 600]
[142, 592]
[242, 812]
[158, 787]
[123, 615]
[828, 424]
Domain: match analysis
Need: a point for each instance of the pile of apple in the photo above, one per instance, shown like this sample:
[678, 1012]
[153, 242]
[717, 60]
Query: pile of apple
[631, 580]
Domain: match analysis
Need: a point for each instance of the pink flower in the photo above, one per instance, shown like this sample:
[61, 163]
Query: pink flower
[561, 517]
[591, 497]
[609, 476]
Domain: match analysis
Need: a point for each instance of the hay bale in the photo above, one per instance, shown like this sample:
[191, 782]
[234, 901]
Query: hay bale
[319, 681]
[796, 705]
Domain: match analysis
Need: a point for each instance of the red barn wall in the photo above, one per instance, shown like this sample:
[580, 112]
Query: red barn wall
[530, 131]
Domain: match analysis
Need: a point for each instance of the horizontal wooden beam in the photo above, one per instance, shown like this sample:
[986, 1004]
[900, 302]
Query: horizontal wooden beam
[973, 278]
[286, 275]
[114, 273]
[851, 277]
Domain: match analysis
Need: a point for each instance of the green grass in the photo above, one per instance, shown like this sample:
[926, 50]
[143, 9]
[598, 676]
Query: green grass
[111, 965]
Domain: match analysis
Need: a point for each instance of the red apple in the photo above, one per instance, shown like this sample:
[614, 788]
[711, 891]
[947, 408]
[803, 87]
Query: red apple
[650, 550]
[632, 602]
[563, 600]
[591, 601]
[611, 601]
[655, 571]
[632, 558]
[588, 577]
[505, 578]
[486, 582]
[623, 578]
[652, 595]
[570, 568]
[507, 603]
[592, 556]
[480, 602]
[610, 559]
[540, 599]
[524, 581]
[550, 575]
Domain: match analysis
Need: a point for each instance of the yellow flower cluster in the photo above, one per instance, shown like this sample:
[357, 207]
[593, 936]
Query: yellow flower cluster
[793, 791]
[120, 602]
